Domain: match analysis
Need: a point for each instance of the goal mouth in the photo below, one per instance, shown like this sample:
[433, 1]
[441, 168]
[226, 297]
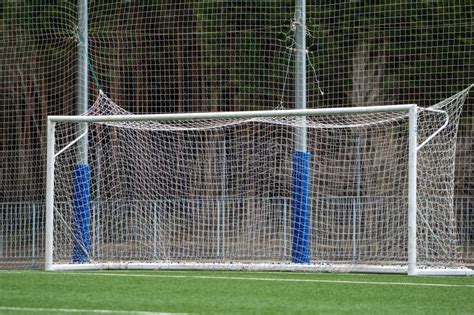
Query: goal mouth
[370, 192]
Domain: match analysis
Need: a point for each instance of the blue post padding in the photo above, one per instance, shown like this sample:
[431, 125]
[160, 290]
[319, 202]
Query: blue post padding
[300, 208]
[81, 243]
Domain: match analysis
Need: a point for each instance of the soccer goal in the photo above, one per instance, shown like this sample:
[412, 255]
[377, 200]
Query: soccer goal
[371, 192]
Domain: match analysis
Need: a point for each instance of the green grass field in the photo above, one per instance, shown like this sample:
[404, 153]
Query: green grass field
[218, 292]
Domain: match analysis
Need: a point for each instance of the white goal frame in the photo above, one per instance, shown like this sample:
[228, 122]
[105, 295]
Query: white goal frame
[410, 268]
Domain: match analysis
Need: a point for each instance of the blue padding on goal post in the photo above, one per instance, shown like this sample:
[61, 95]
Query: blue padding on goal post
[81, 243]
[300, 208]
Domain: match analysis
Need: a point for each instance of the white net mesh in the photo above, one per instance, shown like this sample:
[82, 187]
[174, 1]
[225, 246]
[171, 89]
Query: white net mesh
[212, 55]
[220, 191]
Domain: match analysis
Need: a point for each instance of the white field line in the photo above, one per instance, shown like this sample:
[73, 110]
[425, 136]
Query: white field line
[78, 310]
[174, 276]
[279, 279]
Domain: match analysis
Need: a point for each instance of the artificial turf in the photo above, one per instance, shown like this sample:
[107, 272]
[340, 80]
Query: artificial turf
[219, 292]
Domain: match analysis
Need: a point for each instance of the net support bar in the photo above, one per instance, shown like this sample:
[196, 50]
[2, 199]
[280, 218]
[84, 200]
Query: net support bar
[81, 245]
[412, 206]
[83, 85]
[300, 208]
[300, 71]
[300, 191]
[48, 258]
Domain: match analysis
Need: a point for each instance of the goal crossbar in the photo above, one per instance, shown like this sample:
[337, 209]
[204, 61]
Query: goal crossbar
[234, 115]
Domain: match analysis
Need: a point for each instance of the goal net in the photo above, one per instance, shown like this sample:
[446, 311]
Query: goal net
[228, 190]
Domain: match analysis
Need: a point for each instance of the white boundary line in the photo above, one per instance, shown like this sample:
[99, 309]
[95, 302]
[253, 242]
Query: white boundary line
[175, 276]
[78, 310]
[279, 280]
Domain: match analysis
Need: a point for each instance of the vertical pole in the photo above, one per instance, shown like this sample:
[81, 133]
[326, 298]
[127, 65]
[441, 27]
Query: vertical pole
[48, 258]
[97, 207]
[33, 236]
[412, 206]
[223, 190]
[300, 214]
[300, 70]
[83, 61]
[1, 242]
[81, 244]
[356, 205]
[155, 232]
[300, 208]
[82, 171]
[284, 226]
[218, 228]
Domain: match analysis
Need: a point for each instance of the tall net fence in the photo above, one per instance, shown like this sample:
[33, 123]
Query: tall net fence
[182, 56]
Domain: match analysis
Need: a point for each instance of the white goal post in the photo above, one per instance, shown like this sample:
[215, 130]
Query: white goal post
[227, 191]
